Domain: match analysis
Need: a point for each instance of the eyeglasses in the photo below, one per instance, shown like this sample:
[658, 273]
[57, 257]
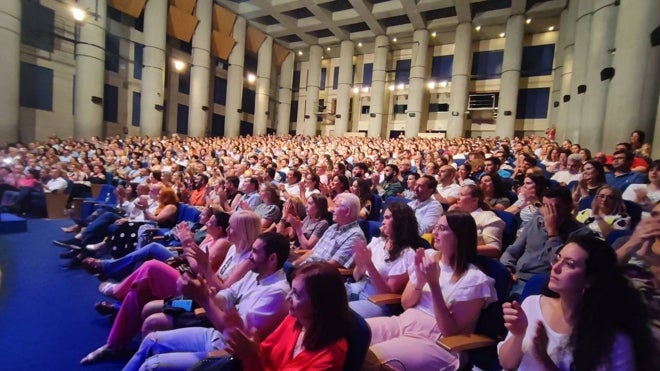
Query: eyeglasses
[619, 158]
[606, 197]
[569, 262]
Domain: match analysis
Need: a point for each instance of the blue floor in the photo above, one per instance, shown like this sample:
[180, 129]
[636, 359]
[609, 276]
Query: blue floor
[47, 318]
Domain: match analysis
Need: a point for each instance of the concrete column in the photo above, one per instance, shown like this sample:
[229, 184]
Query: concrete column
[90, 71]
[581, 52]
[284, 95]
[313, 86]
[347, 50]
[264, 63]
[509, 83]
[558, 70]
[10, 73]
[460, 77]
[378, 89]
[235, 80]
[655, 145]
[568, 22]
[601, 42]
[200, 71]
[420, 49]
[632, 97]
[153, 70]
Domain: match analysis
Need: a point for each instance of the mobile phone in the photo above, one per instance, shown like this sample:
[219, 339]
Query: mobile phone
[183, 304]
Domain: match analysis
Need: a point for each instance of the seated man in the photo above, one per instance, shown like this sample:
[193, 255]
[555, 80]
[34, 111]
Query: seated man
[256, 303]
[336, 244]
[489, 226]
[390, 186]
[541, 238]
[427, 209]
[621, 176]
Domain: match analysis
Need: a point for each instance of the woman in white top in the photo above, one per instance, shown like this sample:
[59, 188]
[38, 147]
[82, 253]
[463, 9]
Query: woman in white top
[646, 195]
[598, 322]
[381, 267]
[444, 297]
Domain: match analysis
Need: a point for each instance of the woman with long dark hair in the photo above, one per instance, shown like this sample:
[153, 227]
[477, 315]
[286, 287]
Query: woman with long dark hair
[381, 266]
[312, 336]
[444, 296]
[495, 192]
[598, 322]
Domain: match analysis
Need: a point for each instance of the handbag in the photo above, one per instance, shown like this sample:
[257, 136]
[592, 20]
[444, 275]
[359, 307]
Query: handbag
[224, 363]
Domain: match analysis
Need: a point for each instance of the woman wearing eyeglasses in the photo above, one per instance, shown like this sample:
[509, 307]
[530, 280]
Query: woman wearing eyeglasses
[597, 322]
[607, 212]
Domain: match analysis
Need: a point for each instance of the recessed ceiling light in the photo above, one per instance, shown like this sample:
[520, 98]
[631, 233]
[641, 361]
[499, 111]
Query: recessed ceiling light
[478, 28]
[394, 40]
[551, 28]
[328, 48]
[502, 34]
[78, 14]
[359, 45]
[299, 52]
[434, 34]
[528, 20]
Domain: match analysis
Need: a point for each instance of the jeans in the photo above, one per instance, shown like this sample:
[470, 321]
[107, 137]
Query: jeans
[174, 350]
[101, 227]
[118, 269]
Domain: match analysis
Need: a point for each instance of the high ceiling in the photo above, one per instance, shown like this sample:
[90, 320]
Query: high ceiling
[297, 24]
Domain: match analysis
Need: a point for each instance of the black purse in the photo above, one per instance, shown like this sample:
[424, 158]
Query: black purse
[224, 363]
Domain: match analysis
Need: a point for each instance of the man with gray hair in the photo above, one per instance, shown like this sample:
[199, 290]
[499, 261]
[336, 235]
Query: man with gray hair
[336, 244]
[573, 165]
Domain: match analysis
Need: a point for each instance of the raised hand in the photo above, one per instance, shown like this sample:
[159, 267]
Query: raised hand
[431, 269]
[515, 319]
[196, 289]
[362, 253]
[197, 258]
[418, 266]
[540, 343]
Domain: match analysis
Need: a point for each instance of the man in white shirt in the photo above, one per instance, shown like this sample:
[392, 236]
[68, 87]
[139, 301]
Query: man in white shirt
[574, 164]
[256, 303]
[56, 183]
[427, 209]
[448, 190]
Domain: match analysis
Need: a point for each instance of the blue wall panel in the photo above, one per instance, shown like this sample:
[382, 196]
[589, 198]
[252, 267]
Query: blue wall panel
[487, 65]
[533, 103]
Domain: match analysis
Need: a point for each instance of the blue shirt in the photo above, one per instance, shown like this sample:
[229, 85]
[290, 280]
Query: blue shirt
[624, 180]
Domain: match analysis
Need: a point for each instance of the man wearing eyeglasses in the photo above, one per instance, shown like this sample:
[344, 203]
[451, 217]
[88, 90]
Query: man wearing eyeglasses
[541, 238]
[621, 176]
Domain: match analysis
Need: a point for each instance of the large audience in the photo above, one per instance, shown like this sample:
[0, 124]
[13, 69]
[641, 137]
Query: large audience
[291, 236]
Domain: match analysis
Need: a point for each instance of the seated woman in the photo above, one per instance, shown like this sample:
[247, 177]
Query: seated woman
[338, 184]
[444, 297]
[293, 206]
[362, 189]
[215, 243]
[309, 230]
[598, 322]
[593, 177]
[530, 195]
[381, 267]
[269, 209]
[156, 280]
[495, 192]
[607, 212]
[646, 195]
[312, 336]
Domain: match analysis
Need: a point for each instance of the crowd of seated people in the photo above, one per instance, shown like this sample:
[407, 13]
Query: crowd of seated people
[278, 207]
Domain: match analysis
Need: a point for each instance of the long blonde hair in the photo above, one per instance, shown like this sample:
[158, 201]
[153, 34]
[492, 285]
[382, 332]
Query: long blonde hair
[248, 226]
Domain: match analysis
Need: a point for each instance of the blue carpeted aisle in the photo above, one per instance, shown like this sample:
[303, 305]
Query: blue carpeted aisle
[47, 318]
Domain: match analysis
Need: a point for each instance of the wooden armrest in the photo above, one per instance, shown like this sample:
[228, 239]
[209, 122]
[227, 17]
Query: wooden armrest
[199, 312]
[300, 251]
[384, 299]
[217, 353]
[178, 249]
[157, 238]
[345, 271]
[459, 343]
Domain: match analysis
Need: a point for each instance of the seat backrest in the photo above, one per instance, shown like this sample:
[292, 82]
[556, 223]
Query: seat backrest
[107, 194]
[370, 228]
[376, 208]
[187, 213]
[635, 211]
[359, 338]
[390, 200]
[510, 227]
[585, 203]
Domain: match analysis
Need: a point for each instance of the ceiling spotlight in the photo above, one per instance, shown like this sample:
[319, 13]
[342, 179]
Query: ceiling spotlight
[400, 86]
[551, 28]
[359, 45]
[502, 34]
[299, 52]
[434, 34]
[78, 14]
[391, 87]
[328, 48]
[178, 65]
[251, 78]
[394, 39]
[356, 90]
[528, 20]
[478, 28]
[443, 84]
[365, 89]
[431, 84]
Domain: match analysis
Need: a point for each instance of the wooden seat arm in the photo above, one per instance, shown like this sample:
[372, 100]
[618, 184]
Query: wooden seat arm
[345, 271]
[199, 312]
[217, 353]
[459, 343]
[384, 299]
